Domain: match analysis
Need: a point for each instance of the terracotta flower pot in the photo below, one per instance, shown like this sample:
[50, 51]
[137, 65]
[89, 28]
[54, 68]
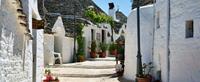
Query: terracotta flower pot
[102, 54]
[54, 81]
[114, 52]
[143, 79]
[81, 58]
[93, 54]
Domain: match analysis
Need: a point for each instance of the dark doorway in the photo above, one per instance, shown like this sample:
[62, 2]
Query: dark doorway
[92, 34]
[103, 35]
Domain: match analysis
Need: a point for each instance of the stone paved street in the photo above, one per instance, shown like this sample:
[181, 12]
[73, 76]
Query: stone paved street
[88, 71]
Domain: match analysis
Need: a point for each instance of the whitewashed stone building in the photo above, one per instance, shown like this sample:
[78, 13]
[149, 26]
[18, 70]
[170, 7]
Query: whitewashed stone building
[101, 33]
[177, 29]
[173, 41]
[16, 43]
[62, 44]
[16, 48]
[131, 40]
[57, 42]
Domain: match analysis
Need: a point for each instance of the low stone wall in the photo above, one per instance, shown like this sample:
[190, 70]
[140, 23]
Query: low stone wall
[48, 49]
[67, 49]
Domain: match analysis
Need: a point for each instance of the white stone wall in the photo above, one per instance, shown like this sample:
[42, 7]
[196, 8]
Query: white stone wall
[68, 49]
[16, 50]
[146, 31]
[160, 40]
[38, 50]
[184, 52]
[48, 49]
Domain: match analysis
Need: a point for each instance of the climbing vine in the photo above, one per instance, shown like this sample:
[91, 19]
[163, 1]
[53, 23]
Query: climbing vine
[98, 17]
[80, 41]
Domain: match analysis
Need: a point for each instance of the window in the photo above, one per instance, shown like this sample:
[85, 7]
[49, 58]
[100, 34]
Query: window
[98, 37]
[189, 29]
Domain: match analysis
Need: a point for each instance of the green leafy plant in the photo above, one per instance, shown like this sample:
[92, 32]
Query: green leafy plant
[103, 46]
[81, 41]
[98, 17]
[147, 68]
[93, 46]
[112, 47]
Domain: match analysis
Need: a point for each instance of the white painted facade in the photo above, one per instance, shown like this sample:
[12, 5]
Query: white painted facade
[131, 40]
[168, 32]
[16, 43]
[184, 52]
[97, 35]
[68, 48]
[62, 44]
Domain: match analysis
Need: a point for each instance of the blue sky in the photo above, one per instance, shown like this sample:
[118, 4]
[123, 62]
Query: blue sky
[123, 5]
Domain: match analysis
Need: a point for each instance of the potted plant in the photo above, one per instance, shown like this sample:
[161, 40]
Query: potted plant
[145, 77]
[49, 77]
[93, 49]
[113, 49]
[103, 46]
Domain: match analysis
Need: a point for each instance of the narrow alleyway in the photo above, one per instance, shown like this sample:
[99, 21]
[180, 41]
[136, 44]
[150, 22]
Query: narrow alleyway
[99, 70]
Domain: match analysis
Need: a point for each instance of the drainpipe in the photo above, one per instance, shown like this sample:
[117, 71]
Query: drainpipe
[168, 40]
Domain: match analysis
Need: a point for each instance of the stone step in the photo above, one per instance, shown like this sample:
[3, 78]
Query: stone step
[102, 79]
[102, 59]
[85, 75]
[85, 67]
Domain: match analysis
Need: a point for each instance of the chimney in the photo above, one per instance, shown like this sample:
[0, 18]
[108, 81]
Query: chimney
[112, 11]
